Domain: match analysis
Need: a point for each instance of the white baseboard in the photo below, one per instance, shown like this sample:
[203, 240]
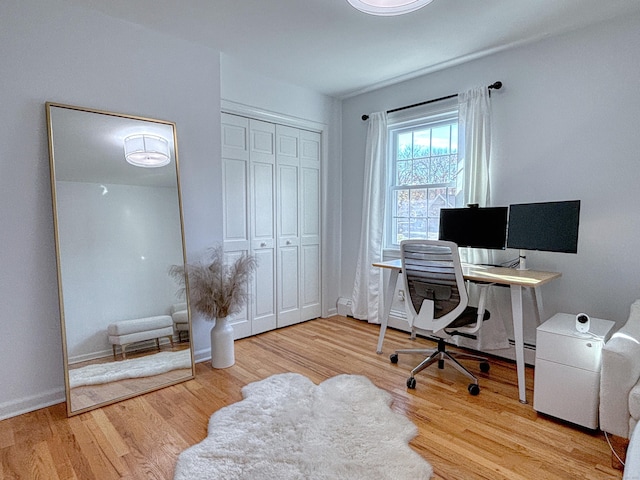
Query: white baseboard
[331, 312]
[31, 403]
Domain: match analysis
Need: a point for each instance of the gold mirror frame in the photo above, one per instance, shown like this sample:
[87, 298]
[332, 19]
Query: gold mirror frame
[114, 268]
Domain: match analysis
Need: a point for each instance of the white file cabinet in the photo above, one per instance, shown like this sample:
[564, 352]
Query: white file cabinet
[567, 374]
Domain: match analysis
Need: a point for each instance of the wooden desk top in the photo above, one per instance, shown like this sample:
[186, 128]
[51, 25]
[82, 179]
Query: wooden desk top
[485, 273]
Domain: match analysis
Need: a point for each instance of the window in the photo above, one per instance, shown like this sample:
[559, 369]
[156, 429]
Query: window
[424, 174]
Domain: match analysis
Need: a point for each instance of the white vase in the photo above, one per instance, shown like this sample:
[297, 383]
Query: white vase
[222, 350]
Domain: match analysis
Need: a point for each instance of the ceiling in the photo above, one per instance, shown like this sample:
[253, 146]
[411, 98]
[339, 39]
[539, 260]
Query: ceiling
[331, 48]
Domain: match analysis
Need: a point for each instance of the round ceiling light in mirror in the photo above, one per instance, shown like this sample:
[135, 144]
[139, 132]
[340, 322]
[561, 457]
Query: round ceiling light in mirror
[388, 7]
[144, 150]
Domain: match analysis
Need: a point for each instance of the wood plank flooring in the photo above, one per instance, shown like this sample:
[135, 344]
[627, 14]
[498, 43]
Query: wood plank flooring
[491, 436]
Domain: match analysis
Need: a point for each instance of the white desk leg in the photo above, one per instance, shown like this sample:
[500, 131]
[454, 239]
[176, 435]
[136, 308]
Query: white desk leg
[539, 306]
[388, 300]
[516, 313]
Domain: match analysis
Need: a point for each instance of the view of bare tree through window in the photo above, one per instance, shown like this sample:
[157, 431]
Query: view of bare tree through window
[425, 168]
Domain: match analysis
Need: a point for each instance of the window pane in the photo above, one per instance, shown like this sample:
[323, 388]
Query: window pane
[420, 171]
[437, 200]
[403, 173]
[440, 170]
[451, 197]
[418, 227]
[434, 228]
[402, 203]
[421, 143]
[405, 145]
[453, 166]
[418, 203]
[441, 140]
[454, 138]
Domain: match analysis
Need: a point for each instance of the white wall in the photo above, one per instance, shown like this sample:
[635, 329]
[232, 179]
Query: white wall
[565, 127]
[244, 89]
[51, 51]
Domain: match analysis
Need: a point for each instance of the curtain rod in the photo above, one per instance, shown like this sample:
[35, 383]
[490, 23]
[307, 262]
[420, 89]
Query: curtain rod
[496, 85]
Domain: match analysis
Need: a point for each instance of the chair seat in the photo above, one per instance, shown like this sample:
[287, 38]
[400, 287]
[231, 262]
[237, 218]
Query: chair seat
[468, 317]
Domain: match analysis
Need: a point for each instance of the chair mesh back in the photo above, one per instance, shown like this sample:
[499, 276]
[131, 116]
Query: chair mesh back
[430, 273]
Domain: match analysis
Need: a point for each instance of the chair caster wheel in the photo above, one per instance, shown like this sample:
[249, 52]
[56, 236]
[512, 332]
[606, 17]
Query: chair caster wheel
[473, 389]
[484, 367]
[393, 357]
[411, 383]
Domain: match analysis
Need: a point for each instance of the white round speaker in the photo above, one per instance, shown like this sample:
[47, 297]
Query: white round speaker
[582, 322]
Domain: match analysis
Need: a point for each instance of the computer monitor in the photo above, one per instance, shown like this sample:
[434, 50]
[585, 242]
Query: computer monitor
[474, 227]
[545, 226]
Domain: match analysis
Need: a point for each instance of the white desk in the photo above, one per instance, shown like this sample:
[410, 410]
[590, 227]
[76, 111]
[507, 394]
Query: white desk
[515, 279]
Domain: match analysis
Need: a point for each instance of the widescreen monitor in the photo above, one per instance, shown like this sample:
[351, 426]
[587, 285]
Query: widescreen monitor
[475, 227]
[545, 226]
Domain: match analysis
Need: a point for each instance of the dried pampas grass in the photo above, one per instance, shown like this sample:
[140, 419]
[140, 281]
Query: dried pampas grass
[217, 289]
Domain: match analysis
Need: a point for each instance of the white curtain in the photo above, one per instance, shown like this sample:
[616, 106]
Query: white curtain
[474, 111]
[367, 296]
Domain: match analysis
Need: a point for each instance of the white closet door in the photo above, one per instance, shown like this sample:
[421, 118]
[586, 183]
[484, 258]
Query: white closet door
[235, 201]
[263, 225]
[288, 232]
[310, 225]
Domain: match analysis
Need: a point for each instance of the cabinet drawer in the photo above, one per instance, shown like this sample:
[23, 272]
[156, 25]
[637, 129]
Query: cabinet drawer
[568, 393]
[584, 353]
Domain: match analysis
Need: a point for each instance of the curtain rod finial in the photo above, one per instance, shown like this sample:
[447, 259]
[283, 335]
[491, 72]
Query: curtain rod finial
[496, 85]
[365, 117]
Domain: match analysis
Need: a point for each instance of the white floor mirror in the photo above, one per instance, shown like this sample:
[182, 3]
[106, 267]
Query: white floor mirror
[126, 326]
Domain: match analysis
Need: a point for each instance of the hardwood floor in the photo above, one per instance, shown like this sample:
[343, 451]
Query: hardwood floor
[491, 436]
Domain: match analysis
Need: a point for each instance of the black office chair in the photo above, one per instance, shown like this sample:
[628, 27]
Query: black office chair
[437, 303]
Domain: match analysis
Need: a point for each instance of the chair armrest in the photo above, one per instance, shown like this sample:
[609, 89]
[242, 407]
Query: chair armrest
[620, 372]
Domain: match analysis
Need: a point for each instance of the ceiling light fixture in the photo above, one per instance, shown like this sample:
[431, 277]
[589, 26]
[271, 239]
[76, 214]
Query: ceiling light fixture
[388, 7]
[144, 150]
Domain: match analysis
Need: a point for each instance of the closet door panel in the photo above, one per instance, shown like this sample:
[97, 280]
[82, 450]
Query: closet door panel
[264, 292]
[288, 201]
[263, 225]
[310, 205]
[234, 174]
[288, 286]
[288, 224]
[311, 306]
[235, 201]
[310, 287]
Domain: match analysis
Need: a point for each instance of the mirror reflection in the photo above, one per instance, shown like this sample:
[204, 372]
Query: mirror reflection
[118, 224]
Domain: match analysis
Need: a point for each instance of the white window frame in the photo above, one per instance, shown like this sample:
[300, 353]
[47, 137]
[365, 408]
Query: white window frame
[430, 116]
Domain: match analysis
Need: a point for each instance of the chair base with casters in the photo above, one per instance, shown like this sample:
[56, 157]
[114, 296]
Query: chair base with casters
[441, 356]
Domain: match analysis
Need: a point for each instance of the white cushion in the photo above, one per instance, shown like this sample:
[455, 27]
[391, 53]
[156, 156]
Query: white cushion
[180, 317]
[177, 307]
[141, 336]
[126, 327]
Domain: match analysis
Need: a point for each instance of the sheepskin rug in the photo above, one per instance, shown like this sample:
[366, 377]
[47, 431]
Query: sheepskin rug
[287, 427]
[132, 368]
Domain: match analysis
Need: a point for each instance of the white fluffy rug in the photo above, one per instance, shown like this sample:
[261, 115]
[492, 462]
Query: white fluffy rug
[133, 368]
[289, 428]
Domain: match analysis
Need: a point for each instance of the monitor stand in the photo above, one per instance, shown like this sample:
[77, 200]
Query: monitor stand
[522, 264]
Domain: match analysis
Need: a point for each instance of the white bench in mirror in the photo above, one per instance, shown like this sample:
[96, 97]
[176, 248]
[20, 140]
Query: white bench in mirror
[180, 316]
[126, 332]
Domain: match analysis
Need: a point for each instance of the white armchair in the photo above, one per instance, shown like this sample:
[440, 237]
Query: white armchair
[620, 378]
